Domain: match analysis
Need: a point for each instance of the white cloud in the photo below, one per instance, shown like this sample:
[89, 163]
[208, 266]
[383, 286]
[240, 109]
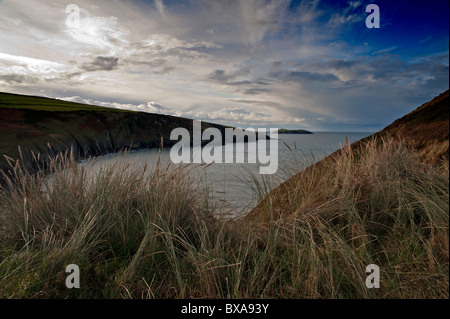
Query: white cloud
[157, 108]
[103, 33]
[17, 62]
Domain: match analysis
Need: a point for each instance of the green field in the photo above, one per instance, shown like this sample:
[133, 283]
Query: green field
[24, 102]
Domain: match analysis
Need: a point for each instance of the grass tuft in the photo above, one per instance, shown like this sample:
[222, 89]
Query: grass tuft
[137, 232]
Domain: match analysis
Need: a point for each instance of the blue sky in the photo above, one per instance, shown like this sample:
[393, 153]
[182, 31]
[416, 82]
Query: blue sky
[294, 64]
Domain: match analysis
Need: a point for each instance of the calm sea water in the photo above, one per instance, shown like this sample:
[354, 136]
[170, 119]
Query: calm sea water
[234, 184]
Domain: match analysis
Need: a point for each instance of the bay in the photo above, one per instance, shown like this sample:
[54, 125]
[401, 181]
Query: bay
[238, 186]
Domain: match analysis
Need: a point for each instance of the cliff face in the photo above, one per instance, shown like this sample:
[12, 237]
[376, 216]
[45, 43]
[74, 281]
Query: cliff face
[48, 126]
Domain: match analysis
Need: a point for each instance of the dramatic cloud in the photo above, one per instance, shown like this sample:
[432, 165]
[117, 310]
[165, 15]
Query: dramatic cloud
[309, 64]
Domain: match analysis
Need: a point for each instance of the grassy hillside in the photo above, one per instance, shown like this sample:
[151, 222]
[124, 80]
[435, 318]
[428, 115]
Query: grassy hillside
[25, 102]
[386, 196]
[159, 235]
[48, 126]
[425, 129]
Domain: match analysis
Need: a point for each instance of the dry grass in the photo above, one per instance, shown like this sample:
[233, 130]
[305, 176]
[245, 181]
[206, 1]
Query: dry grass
[140, 233]
[378, 203]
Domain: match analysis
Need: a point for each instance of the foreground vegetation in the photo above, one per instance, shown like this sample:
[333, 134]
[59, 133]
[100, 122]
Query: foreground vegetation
[136, 233]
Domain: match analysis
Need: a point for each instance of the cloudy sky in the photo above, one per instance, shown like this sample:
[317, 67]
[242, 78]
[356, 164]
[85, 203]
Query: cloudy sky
[295, 64]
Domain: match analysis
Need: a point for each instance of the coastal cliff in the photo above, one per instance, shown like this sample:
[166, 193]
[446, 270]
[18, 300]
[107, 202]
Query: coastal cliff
[36, 125]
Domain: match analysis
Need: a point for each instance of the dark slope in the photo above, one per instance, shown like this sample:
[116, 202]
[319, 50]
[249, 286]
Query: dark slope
[48, 126]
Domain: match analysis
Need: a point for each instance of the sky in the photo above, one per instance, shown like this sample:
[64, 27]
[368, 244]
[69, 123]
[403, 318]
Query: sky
[285, 64]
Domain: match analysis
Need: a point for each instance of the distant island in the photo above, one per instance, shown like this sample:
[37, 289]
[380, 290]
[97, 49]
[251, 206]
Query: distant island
[284, 131]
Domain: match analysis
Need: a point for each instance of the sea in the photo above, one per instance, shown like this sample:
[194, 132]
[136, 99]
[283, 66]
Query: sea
[237, 187]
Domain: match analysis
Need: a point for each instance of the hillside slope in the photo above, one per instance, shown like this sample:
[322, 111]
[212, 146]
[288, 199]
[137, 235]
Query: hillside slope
[48, 126]
[424, 130]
